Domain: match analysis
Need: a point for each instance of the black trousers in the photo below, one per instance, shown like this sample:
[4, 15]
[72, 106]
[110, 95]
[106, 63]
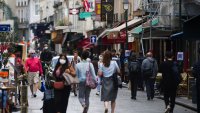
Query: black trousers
[150, 87]
[170, 96]
[134, 85]
[61, 99]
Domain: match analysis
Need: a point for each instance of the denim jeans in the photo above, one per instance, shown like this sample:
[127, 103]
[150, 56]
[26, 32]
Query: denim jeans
[99, 84]
[150, 87]
[84, 94]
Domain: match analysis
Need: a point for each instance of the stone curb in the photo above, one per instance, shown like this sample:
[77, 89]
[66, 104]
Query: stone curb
[181, 104]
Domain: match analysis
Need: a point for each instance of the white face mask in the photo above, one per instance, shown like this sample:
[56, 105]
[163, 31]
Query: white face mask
[62, 61]
[45, 47]
[101, 58]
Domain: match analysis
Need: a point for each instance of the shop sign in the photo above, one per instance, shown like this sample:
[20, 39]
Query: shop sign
[180, 56]
[83, 15]
[107, 10]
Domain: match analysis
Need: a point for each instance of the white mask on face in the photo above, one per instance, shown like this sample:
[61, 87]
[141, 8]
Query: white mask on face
[100, 58]
[62, 61]
[45, 47]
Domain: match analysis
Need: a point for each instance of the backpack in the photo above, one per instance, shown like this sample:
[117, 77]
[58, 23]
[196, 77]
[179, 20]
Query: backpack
[148, 72]
[133, 67]
[176, 74]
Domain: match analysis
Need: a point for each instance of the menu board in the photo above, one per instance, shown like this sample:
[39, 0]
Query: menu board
[191, 83]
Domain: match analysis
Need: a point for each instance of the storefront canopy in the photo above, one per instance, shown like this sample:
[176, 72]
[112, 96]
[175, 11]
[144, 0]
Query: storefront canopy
[131, 23]
[191, 30]
[139, 29]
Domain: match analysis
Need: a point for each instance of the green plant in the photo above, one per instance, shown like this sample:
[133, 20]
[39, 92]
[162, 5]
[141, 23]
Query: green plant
[61, 23]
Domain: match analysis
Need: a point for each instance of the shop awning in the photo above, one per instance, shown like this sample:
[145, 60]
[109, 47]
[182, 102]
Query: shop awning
[71, 37]
[105, 32]
[191, 30]
[177, 35]
[130, 23]
[114, 38]
[139, 29]
[85, 43]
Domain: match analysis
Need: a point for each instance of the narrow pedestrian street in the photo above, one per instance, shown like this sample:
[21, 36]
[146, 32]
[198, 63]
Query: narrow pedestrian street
[124, 104]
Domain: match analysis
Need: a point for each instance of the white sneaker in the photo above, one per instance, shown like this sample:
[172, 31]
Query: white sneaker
[123, 83]
[167, 109]
[97, 93]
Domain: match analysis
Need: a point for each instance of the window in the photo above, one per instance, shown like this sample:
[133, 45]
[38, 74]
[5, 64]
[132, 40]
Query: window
[19, 15]
[22, 16]
[17, 2]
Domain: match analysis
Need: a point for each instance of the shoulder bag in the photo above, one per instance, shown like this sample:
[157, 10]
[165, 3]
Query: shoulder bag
[69, 79]
[90, 82]
[58, 85]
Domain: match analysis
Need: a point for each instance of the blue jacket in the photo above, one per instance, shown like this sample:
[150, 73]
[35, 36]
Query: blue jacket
[81, 69]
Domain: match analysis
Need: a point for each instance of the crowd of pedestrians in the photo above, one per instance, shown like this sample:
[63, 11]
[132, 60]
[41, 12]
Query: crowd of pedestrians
[137, 69]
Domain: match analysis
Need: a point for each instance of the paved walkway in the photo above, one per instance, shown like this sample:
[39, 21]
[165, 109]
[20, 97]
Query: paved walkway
[124, 104]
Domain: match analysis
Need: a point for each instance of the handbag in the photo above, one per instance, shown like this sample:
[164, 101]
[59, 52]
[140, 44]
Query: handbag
[69, 79]
[117, 81]
[90, 82]
[58, 85]
[42, 87]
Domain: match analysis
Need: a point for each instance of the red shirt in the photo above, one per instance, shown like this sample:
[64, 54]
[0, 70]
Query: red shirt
[33, 65]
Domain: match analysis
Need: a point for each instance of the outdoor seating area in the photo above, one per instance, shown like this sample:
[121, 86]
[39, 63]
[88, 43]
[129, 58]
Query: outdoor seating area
[183, 88]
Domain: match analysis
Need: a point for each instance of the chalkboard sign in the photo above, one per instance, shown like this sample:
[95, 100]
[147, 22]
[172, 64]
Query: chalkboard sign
[191, 83]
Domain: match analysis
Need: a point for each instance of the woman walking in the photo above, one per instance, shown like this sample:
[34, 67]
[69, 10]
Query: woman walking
[107, 70]
[84, 91]
[62, 95]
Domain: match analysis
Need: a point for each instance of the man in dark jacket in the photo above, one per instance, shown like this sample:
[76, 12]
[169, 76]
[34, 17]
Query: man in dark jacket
[149, 70]
[140, 77]
[196, 74]
[169, 82]
[133, 66]
[45, 57]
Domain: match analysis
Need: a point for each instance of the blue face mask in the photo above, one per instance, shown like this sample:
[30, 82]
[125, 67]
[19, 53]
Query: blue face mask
[32, 55]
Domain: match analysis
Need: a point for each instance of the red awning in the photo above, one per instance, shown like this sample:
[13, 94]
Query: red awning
[85, 43]
[114, 38]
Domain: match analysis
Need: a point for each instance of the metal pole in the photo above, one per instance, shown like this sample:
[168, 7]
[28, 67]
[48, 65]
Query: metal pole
[126, 17]
[151, 41]
[93, 24]
[180, 8]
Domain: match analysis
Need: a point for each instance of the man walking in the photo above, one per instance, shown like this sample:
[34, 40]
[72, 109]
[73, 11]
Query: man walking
[149, 70]
[169, 82]
[76, 59]
[140, 77]
[33, 67]
[45, 57]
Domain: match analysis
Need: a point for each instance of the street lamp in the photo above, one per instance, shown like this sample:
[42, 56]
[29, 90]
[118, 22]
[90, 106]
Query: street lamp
[126, 6]
[93, 17]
